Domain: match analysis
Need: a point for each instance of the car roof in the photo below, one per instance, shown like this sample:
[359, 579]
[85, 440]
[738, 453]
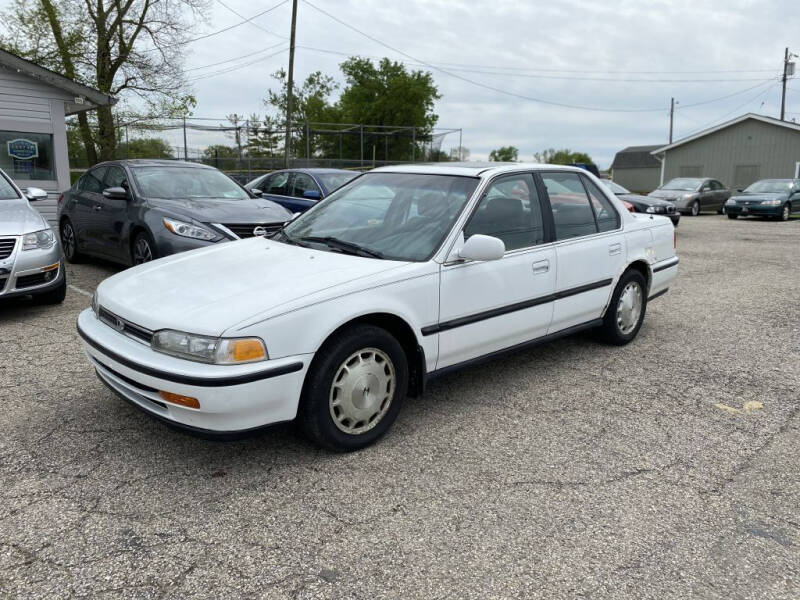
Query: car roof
[473, 169]
[156, 162]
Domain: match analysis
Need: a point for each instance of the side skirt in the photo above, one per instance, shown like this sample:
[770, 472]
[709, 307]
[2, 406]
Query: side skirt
[523, 346]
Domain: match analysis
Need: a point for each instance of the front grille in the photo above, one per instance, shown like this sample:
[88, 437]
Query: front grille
[7, 247]
[245, 230]
[123, 326]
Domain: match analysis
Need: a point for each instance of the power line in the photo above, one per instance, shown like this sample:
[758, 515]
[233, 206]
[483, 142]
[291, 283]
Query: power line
[250, 20]
[222, 62]
[213, 33]
[478, 83]
[237, 67]
[725, 97]
[735, 110]
[520, 71]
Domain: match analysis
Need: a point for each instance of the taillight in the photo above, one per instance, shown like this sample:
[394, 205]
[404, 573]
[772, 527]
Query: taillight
[60, 200]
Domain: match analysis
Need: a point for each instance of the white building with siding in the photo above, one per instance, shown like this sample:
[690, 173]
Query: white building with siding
[34, 102]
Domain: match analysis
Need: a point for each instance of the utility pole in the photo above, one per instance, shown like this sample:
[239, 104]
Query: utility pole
[671, 117]
[290, 85]
[185, 149]
[788, 71]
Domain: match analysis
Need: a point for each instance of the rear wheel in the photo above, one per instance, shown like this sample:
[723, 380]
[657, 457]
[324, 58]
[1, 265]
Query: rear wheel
[143, 249]
[695, 208]
[69, 242]
[354, 389]
[626, 311]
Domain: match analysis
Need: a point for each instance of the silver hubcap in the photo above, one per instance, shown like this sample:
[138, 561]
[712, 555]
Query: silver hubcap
[695, 209]
[142, 252]
[786, 213]
[629, 308]
[68, 239]
[362, 391]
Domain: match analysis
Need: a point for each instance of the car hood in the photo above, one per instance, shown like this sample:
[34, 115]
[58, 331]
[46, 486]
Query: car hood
[759, 197]
[646, 200]
[205, 210]
[669, 193]
[18, 217]
[208, 290]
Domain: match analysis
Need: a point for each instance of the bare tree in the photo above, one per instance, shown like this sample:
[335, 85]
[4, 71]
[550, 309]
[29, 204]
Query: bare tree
[129, 48]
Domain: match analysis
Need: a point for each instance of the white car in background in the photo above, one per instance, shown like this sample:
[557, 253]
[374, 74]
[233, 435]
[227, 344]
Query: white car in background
[30, 255]
[358, 302]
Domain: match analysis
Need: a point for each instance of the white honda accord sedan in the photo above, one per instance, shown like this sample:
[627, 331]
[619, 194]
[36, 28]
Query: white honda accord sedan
[402, 275]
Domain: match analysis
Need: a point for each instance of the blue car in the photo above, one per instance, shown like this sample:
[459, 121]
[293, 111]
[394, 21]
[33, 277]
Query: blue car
[300, 189]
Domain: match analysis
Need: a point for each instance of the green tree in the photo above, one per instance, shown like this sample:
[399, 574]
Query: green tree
[220, 151]
[120, 47]
[551, 156]
[504, 154]
[145, 148]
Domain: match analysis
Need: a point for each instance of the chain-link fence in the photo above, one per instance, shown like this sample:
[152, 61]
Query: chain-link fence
[246, 149]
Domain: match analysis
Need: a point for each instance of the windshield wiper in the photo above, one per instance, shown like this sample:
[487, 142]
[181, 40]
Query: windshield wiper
[343, 246]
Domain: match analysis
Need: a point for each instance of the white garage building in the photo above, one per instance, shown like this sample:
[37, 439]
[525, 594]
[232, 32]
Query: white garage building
[34, 102]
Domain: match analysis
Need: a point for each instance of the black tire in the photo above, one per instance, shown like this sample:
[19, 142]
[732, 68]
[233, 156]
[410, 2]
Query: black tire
[611, 331]
[316, 411]
[69, 242]
[54, 296]
[695, 209]
[730, 216]
[143, 249]
[786, 211]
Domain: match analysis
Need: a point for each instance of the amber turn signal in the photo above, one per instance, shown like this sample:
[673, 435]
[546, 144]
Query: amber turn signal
[247, 350]
[179, 399]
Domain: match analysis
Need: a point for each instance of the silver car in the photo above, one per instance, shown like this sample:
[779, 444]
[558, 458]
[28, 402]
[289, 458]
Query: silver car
[30, 254]
[692, 195]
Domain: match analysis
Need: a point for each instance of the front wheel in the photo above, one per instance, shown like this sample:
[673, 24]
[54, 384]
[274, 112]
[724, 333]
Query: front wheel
[787, 210]
[730, 216]
[354, 389]
[626, 311]
[143, 249]
[695, 208]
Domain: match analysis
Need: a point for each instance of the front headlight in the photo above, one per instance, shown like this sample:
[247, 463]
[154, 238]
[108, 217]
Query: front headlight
[688, 196]
[188, 230]
[772, 202]
[200, 348]
[38, 239]
[730, 201]
[650, 209]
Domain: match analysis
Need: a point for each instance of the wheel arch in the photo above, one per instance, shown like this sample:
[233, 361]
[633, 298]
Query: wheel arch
[404, 334]
[643, 268]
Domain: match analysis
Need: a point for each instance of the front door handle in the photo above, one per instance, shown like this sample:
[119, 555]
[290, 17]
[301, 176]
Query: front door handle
[98, 207]
[615, 249]
[541, 266]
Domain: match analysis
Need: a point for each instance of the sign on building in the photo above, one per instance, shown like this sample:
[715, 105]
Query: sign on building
[22, 149]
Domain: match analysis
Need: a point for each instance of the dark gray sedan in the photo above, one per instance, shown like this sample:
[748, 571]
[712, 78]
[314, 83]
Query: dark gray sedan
[772, 198]
[692, 195]
[132, 211]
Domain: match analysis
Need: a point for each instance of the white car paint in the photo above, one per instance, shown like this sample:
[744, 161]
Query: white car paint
[294, 298]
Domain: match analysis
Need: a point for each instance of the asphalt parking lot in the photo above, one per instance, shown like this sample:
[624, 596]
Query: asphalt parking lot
[665, 469]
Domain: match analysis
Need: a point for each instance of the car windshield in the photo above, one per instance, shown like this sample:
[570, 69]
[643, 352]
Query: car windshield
[333, 181]
[770, 186]
[684, 184]
[614, 187]
[186, 182]
[397, 216]
[7, 191]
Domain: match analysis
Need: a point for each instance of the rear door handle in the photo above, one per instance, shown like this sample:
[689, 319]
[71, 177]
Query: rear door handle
[541, 266]
[615, 249]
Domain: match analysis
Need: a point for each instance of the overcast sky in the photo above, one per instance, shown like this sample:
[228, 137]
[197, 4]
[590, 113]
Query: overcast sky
[714, 48]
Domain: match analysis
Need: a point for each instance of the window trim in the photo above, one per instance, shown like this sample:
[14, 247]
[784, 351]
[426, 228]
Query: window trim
[294, 175]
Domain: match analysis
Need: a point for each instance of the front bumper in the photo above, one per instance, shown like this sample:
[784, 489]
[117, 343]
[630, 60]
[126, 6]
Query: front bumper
[758, 210]
[26, 272]
[233, 398]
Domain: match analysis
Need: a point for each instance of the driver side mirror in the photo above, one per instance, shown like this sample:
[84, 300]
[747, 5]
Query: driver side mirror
[33, 194]
[312, 195]
[256, 192]
[482, 247]
[118, 193]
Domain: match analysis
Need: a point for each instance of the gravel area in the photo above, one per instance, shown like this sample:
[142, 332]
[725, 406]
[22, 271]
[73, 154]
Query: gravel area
[664, 469]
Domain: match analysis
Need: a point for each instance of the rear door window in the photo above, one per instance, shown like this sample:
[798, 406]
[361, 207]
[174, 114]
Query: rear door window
[573, 216]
